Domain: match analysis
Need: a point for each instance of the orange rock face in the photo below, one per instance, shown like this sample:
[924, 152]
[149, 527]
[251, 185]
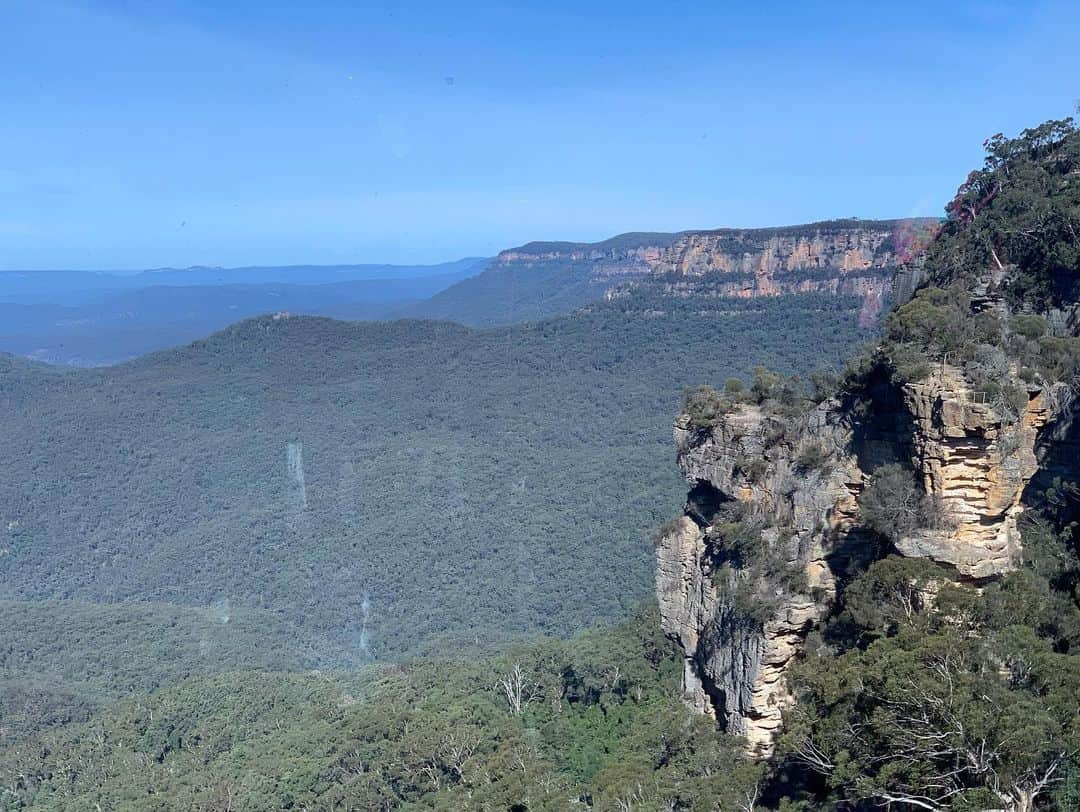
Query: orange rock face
[848, 257]
[977, 466]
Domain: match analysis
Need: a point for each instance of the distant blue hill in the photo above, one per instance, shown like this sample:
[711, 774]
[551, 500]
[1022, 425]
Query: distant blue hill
[77, 287]
[88, 319]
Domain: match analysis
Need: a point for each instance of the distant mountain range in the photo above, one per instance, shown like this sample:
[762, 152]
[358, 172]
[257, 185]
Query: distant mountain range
[77, 287]
[90, 319]
[97, 318]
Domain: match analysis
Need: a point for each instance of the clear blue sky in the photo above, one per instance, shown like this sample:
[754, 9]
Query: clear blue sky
[144, 133]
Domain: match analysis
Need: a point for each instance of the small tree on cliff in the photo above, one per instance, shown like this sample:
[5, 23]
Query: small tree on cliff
[894, 506]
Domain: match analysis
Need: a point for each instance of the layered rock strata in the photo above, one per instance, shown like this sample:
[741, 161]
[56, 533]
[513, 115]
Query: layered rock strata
[840, 257]
[974, 463]
[977, 466]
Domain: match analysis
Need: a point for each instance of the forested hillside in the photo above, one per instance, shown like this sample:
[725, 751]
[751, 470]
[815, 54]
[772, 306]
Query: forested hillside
[544, 279]
[591, 722]
[369, 490]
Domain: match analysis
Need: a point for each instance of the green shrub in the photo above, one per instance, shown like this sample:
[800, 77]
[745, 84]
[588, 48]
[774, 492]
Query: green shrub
[891, 594]
[812, 457]
[754, 470]
[734, 387]
[823, 385]
[909, 363]
[750, 568]
[894, 506]
[765, 384]
[936, 320]
[1028, 326]
[668, 528]
[1059, 358]
[704, 406]
[735, 537]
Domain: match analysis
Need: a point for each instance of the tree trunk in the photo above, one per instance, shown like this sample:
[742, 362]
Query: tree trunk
[1022, 800]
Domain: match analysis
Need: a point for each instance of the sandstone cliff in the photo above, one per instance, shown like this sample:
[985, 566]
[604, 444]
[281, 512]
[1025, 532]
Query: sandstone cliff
[539, 280]
[626, 257]
[799, 479]
[840, 257]
[734, 664]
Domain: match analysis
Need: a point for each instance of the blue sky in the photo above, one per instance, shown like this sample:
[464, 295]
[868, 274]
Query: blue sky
[146, 133]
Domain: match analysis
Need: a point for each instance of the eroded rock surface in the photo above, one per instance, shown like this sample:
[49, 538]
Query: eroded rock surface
[839, 258]
[978, 465]
[974, 461]
[734, 667]
[842, 257]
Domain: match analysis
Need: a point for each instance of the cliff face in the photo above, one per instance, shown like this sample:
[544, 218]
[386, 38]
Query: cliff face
[604, 262]
[842, 248]
[543, 279]
[734, 666]
[968, 459]
[842, 257]
[847, 257]
[977, 466]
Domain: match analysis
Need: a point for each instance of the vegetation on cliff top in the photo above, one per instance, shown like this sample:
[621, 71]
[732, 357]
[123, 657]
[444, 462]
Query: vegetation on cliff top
[783, 396]
[1002, 274]
[922, 691]
[1014, 224]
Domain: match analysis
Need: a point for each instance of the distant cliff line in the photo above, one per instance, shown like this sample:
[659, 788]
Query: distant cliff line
[838, 257]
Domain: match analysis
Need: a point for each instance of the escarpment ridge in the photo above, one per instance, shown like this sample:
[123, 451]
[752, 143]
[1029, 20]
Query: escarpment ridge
[834, 257]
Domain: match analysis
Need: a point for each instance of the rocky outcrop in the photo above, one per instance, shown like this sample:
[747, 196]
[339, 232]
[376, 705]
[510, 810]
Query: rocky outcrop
[973, 462]
[842, 247]
[687, 600]
[734, 664]
[843, 257]
[977, 465]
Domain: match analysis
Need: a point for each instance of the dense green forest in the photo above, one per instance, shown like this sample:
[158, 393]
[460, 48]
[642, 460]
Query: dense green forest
[598, 721]
[354, 492]
[595, 721]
